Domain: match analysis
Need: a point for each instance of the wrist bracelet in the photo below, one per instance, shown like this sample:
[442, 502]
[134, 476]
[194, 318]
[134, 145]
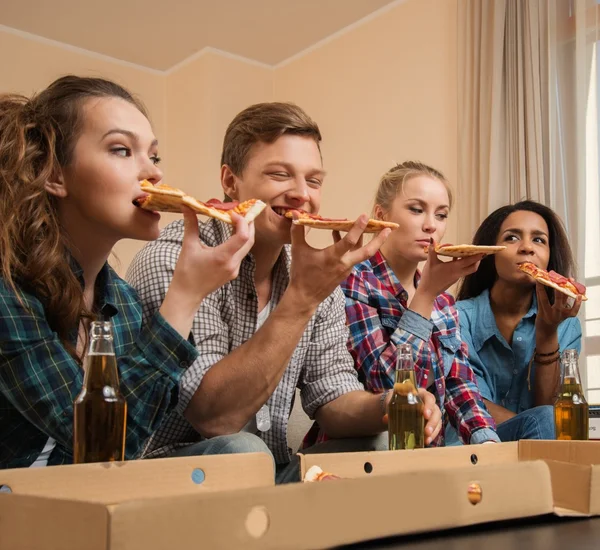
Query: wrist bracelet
[535, 352]
[547, 361]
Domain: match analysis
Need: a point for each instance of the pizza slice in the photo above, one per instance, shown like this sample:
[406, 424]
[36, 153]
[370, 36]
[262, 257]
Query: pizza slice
[163, 198]
[314, 473]
[464, 250]
[336, 224]
[554, 280]
[160, 198]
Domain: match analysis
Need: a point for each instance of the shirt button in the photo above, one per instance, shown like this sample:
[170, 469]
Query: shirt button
[515, 371]
[519, 338]
[440, 385]
[184, 364]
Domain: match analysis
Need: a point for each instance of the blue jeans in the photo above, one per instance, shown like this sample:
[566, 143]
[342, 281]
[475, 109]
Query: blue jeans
[534, 423]
[290, 472]
[285, 473]
[241, 442]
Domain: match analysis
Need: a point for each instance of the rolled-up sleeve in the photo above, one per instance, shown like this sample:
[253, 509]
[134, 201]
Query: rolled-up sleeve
[328, 370]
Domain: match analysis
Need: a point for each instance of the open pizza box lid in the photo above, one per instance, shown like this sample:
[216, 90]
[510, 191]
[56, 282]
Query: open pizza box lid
[573, 469]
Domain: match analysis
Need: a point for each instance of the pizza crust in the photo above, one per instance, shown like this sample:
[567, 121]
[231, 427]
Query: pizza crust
[465, 250]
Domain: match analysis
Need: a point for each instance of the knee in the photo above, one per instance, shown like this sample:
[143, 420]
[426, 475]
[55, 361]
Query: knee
[243, 443]
[380, 442]
[543, 419]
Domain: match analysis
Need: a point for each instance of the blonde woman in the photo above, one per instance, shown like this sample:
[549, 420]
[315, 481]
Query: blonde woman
[389, 302]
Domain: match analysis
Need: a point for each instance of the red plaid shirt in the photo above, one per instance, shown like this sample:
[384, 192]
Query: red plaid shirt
[380, 321]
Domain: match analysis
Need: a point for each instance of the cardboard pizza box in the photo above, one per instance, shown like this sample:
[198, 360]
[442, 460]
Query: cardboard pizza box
[99, 506]
[301, 515]
[573, 467]
[230, 501]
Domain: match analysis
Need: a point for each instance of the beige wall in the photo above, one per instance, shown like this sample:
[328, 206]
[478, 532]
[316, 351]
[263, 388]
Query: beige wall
[203, 96]
[382, 93]
[32, 65]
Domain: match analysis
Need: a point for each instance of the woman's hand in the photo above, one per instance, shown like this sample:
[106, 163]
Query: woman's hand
[202, 269]
[549, 316]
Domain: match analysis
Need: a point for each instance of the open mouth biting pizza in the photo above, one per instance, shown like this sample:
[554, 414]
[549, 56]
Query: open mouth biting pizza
[163, 198]
[554, 280]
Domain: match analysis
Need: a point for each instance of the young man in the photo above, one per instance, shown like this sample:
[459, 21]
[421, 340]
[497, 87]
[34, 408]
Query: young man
[281, 324]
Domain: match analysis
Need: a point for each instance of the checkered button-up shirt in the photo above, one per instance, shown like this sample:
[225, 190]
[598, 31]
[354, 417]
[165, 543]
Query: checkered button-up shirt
[39, 380]
[380, 322]
[320, 367]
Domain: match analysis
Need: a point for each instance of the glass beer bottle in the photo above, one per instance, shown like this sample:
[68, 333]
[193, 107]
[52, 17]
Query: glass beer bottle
[100, 410]
[571, 411]
[406, 425]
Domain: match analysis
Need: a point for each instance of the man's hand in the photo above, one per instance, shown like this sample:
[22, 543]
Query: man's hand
[431, 413]
[316, 273]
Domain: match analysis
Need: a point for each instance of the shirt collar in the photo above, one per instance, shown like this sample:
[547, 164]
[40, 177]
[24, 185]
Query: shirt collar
[486, 322]
[106, 295]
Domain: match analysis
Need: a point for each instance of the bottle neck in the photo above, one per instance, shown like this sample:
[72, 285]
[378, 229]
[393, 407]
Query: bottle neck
[570, 372]
[100, 365]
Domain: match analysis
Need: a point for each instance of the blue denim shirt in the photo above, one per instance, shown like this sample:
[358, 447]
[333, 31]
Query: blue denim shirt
[501, 369]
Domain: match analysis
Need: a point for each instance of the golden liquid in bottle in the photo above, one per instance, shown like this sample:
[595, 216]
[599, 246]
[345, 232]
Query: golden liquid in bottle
[571, 412]
[100, 413]
[406, 427]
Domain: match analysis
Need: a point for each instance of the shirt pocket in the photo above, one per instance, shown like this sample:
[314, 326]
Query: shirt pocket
[449, 345]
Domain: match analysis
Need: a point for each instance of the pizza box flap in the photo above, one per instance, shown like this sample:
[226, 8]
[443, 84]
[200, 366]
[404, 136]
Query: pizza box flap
[319, 515]
[575, 452]
[34, 523]
[361, 464]
[115, 482]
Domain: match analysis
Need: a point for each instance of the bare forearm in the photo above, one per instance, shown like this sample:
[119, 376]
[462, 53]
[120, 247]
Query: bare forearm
[179, 311]
[422, 303]
[235, 388]
[547, 377]
[499, 413]
[354, 414]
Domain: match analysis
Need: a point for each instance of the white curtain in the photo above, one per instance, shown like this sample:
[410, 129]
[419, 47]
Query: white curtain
[528, 118]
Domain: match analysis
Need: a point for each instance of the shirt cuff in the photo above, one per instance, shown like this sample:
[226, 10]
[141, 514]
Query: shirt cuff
[482, 435]
[415, 324]
[329, 391]
[484, 389]
[165, 348]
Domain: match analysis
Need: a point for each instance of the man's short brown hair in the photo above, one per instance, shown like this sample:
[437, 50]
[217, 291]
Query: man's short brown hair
[264, 122]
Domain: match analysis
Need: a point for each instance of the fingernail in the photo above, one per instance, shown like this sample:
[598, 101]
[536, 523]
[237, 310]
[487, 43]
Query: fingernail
[427, 411]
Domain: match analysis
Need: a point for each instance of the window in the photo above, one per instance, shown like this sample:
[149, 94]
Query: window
[591, 270]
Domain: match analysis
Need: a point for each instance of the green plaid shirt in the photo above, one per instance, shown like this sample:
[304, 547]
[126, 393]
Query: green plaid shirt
[39, 380]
